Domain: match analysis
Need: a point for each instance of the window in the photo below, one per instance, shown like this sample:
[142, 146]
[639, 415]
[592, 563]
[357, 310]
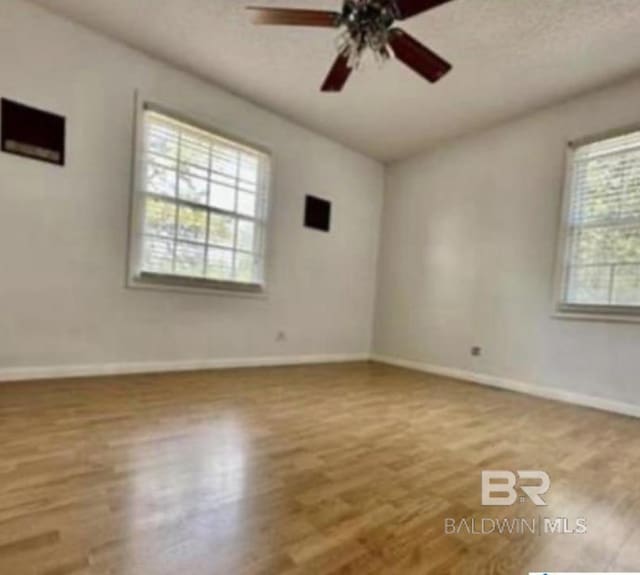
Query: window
[601, 270]
[201, 203]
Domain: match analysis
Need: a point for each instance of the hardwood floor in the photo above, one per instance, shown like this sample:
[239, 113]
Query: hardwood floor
[306, 470]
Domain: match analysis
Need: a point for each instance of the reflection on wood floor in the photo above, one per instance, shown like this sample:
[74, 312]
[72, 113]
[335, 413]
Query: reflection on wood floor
[306, 470]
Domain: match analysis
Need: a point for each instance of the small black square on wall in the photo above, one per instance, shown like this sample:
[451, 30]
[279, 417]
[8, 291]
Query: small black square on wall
[317, 214]
[32, 133]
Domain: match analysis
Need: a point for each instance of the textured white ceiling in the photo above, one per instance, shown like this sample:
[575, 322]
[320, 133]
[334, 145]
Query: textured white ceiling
[508, 56]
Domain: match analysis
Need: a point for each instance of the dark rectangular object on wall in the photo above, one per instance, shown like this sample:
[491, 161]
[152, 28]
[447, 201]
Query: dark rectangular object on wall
[32, 133]
[317, 214]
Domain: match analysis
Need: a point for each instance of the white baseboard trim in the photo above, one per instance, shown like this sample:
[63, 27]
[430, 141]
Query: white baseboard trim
[630, 409]
[68, 371]
[97, 370]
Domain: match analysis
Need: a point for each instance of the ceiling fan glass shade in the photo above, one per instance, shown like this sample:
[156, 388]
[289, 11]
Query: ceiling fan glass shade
[294, 17]
[338, 75]
[417, 56]
[407, 8]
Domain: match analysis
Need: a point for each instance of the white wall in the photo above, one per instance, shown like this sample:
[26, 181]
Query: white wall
[467, 257]
[467, 252]
[63, 231]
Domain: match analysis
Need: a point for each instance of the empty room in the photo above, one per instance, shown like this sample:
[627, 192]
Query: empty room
[319, 287]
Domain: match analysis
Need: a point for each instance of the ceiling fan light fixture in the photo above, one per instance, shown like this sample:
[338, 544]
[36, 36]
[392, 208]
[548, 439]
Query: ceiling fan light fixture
[355, 48]
[367, 25]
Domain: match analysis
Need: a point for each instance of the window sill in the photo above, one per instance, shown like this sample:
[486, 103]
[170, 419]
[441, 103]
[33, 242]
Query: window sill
[161, 282]
[615, 314]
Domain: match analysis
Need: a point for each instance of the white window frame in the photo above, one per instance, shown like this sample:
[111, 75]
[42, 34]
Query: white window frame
[149, 280]
[561, 308]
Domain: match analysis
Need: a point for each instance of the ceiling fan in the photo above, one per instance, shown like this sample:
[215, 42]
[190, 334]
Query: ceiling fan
[368, 24]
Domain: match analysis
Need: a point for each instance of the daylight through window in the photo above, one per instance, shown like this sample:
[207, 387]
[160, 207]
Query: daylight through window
[203, 205]
[602, 265]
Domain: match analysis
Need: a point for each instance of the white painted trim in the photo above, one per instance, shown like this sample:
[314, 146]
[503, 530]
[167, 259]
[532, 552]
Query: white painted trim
[65, 371]
[630, 409]
[96, 370]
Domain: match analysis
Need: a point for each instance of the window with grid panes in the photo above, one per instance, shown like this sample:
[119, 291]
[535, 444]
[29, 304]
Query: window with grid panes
[601, 264]
[202, 203]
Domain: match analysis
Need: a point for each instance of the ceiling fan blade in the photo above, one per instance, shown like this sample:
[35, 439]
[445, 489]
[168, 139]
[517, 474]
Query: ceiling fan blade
[294, 17]
[407, 8]
[418, 57]
[338, 75]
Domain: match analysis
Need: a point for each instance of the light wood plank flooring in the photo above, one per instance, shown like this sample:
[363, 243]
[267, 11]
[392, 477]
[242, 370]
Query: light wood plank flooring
[305, 470]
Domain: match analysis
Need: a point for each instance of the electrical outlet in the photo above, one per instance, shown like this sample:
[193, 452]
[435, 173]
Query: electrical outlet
[476, 351]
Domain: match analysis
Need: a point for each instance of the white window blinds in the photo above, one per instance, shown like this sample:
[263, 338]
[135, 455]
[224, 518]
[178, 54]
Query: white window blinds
[204, 204]
[603, 224]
